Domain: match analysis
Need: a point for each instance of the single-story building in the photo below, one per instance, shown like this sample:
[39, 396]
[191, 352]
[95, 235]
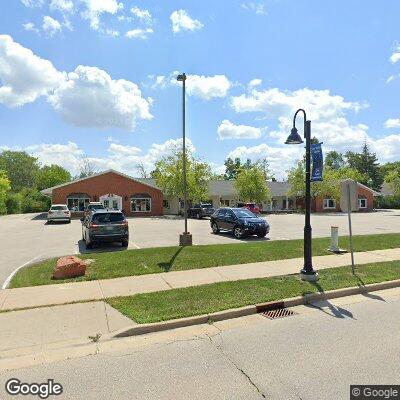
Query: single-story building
[142, 197]
[114, 189]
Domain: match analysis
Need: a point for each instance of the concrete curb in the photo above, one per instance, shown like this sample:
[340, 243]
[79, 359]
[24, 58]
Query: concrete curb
[252, 309]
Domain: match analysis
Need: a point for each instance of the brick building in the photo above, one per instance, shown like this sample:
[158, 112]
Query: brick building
[112, 188]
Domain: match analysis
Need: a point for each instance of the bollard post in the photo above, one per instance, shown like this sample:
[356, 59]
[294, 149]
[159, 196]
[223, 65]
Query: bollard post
[334, 239]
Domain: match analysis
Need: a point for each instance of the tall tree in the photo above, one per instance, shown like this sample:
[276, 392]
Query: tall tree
[87, 168]
[142, 170]
[232, 168]
[334, 160]
[251, 185]
[168, 175]
[5, 186]
[20, 167]
[367, 164]
[329, 187]
[51, 175]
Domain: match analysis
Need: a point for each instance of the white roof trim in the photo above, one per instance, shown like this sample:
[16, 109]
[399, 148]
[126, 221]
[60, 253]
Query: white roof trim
[49, 191]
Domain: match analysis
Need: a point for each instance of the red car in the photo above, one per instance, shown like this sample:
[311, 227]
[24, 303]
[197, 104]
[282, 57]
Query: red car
[253, 207]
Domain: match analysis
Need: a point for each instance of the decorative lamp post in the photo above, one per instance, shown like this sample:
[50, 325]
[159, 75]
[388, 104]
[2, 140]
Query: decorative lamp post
[307, 273]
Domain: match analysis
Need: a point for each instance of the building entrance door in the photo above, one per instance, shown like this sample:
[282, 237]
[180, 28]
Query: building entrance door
[111, 201]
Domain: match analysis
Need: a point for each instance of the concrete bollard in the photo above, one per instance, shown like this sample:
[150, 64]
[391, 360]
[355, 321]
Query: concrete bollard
[334, 239]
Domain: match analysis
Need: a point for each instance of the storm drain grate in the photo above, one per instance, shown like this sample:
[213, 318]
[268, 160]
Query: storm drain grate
[279, 313]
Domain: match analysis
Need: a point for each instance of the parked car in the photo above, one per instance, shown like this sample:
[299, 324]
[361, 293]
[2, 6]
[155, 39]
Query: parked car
[58, 212]
[239, 221]
[253, 207]
[93, 206]
[201, 210]
[105, 226]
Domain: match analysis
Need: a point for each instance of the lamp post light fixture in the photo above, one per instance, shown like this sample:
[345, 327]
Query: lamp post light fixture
[185, 239]
[307, 273]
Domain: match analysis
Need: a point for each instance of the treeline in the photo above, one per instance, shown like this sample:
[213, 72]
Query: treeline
[22, 178]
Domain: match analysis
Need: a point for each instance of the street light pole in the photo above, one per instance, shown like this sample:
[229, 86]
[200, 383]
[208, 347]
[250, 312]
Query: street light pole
[186, 238]
[307, 273]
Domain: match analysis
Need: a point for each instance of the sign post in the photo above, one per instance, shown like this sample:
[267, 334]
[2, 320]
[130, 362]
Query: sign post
[348, 202]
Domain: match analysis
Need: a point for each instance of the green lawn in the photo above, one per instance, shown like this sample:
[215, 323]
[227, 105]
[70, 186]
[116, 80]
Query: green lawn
[186, 302]
[163, 259]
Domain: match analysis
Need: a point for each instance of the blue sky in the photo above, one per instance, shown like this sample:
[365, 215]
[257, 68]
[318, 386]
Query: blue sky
[96, 78]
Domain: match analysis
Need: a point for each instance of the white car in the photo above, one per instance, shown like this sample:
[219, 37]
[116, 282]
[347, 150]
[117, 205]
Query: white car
[58, 212]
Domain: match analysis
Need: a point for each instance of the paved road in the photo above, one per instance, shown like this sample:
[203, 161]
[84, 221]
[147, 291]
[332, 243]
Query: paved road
[27, 237]
[314, 355]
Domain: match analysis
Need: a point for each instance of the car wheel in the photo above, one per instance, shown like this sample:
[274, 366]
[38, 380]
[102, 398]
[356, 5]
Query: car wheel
[238, 232]
[214, 227]
[89, 245]
[69, 221]
[262, 234]
[198, 216]
[125, 243]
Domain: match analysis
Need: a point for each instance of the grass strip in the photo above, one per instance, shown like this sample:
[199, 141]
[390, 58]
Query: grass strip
[199, 300]
[163, 259]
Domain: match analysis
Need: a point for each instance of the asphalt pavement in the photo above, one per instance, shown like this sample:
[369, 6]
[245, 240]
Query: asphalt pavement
[27, 238]
[314, 355]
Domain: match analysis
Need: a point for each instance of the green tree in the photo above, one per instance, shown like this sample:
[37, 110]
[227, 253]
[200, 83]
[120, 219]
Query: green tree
[334, 160]
[329, 187]
[251, 185]
[21, 169]
[232, 167]
[51, 175]
[14, 203]
[367, 164]
[169, 177]
[5, 186]
[33, 201]
[393, 178]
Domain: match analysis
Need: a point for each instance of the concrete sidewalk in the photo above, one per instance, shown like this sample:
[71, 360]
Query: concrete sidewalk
[38, 296]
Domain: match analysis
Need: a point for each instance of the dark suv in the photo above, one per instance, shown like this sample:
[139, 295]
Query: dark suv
[105, 226]
[239, 221]
[201, 210]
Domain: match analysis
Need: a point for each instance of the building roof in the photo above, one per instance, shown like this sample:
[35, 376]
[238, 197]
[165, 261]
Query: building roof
[227, 188]
[49, 191]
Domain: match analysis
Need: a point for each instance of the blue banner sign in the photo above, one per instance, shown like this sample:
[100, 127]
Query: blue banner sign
[317, 162]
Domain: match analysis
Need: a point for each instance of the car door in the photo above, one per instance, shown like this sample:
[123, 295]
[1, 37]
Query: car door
[230, 220]
[220, 218]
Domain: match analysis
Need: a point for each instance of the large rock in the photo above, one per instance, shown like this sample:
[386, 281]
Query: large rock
[69, 267]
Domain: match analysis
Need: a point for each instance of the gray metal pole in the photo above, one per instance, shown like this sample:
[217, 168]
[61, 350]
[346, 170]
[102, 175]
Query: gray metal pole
[184, 149]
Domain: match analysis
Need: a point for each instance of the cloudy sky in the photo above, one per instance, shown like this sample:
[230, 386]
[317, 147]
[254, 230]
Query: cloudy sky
[97, 78]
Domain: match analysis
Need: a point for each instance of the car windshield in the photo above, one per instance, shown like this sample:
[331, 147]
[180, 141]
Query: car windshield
[58, 208]
[206, 205]
[244, 214]
[108, 217]
[95, 207]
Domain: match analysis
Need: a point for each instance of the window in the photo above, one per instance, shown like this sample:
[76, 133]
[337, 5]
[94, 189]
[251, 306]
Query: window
[165, 203]
[362, 202]
[104, 218]
[58, 208]
[77, 201]
[225, 203]
[329, 204]
[141, 203]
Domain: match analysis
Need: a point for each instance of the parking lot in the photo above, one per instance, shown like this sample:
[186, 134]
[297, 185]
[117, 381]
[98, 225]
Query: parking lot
[27, 238]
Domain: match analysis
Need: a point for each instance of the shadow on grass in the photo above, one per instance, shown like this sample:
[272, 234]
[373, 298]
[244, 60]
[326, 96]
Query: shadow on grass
[167, 266]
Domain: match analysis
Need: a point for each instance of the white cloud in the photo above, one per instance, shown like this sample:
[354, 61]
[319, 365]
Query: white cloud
[392, 123]
[30, 26]
[139, 33]
[280, 159]
[181, 21]
[32, 3]
[89, 97]
[95, 8]
[258, 8]
[24, 76]
[227, 130]
[110, 32]
[122, 158]
[50, 25]
[205, 87]
[255, 82]
[142, 14]
[64, 6]
[395, 57]
[387, 148]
